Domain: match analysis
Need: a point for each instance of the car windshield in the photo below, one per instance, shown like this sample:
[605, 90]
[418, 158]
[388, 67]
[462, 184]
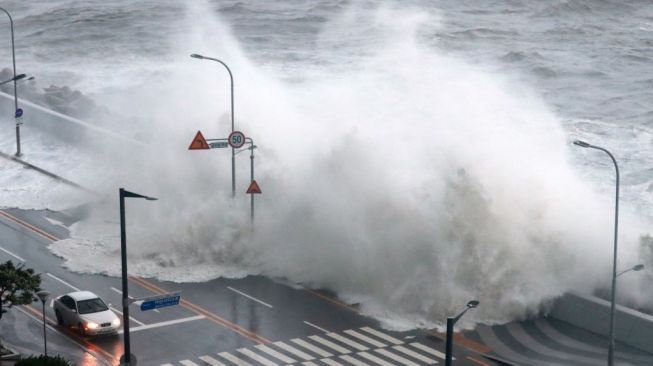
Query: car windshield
[91, 306]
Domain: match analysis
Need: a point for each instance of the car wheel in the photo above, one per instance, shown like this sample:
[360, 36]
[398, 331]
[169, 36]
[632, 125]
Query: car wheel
[59, 318]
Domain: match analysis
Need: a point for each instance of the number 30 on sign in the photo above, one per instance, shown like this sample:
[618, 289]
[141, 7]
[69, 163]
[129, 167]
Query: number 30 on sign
[236, 139]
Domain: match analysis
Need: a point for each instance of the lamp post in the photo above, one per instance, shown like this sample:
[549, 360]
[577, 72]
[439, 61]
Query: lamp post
[614, 256]
[451, 321]
[13, 56]
[635, 268]
[43, 295]
[126, 358]
[233, 151]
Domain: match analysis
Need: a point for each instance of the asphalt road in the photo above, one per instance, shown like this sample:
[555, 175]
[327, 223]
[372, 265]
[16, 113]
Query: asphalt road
[249, 321]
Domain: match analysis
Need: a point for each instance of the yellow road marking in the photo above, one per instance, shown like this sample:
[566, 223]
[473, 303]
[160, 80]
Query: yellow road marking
[150, 286]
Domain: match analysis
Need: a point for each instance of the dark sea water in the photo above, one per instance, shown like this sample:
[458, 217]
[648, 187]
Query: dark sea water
[463, 77]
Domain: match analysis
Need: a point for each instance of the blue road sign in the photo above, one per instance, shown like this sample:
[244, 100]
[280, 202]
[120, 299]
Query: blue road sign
[161, 301]
[19, 112]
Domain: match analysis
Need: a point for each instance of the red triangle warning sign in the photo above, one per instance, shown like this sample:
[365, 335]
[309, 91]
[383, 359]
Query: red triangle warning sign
[254, 188]
[199, 143]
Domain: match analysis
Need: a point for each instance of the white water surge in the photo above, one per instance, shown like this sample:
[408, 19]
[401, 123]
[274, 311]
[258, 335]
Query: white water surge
[402, 177]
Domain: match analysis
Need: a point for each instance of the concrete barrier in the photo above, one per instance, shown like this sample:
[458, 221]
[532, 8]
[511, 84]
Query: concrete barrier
[591, 313]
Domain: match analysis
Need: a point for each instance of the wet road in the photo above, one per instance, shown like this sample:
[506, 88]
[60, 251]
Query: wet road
[249, 321]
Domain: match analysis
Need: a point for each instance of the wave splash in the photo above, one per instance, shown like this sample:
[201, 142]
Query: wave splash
[408, 181]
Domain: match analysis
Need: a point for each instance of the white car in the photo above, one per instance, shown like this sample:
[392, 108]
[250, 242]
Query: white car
[86, 312]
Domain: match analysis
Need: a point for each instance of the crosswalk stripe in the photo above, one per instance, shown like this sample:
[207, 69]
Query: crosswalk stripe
[294, 351]
[353, 361]
[348, 341]
[375, 359]
[256, 357]
[329, 344]
[331, 362]
[381, 335]
[396, 357]
[235, 360]
[211, 361]
[167, 364]
[188, 363]
[311, 347]
[428, 350]
[308, 363]
[275, 354]
[415, 355]
[365, 338]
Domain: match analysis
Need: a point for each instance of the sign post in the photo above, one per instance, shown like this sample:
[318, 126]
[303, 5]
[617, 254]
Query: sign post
[235, 140]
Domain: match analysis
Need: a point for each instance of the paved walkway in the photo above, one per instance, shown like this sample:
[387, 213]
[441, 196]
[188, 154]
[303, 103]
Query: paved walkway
[546, 341]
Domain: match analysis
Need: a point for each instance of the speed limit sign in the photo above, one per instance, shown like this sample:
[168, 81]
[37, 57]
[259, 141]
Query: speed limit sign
[236, 139]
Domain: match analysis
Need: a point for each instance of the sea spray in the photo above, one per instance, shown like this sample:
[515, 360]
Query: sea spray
[403, 178]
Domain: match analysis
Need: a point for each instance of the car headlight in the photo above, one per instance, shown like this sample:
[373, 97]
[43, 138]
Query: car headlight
[115, 322]
[91, 325]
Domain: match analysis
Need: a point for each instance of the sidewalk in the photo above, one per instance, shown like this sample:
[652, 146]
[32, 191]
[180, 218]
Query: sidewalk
[23, 333]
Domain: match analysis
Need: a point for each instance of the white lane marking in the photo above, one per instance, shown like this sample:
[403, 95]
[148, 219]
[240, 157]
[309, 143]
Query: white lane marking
[130, 317]
[331, 362]
[120, 292]
[188, 363]
[256, 357]
[131, 297]
[374, 359]
[311, 347]
[309, 364]
[235, 360]
[167, 364]
[415, 355]
[316, 327]
[62, 281]
[275, 354]
[329, 344]
[294, 351]
[381, 335]
[211, 361]
[12, 254]
[365, 338]
[395, 357]
[249, 297]
[429, 350]
[347, 341]
[166, 323]
[353, 361]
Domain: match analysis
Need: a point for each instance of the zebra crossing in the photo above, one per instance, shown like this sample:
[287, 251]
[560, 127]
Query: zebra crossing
[364, 346]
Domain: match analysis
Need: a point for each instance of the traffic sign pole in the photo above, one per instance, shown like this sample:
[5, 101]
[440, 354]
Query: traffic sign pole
[251, 164]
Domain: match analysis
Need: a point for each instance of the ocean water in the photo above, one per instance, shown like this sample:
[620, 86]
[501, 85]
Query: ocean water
[413, 155]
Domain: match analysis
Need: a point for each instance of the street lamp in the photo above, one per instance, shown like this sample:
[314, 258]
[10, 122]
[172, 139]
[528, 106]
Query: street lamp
[635, 268]
[614, 257]
[15, 78]
[43, 295]
[451, 321]
[13, 56]
[126, 358]
[233, 152]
